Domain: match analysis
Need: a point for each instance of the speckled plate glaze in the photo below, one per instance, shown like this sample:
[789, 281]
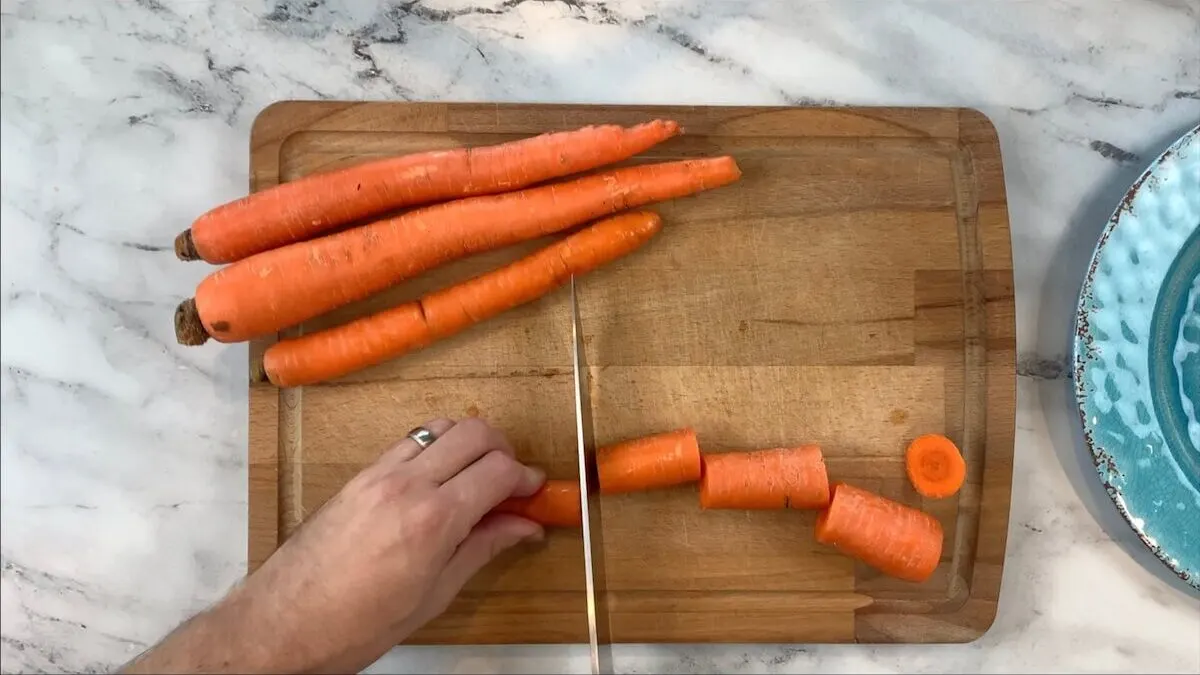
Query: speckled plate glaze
[1137, 357]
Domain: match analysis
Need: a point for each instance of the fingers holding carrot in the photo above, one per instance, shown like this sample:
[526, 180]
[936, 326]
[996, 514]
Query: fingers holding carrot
[556, 504]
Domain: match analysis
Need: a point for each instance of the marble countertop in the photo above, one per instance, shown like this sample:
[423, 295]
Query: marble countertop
[124, 455]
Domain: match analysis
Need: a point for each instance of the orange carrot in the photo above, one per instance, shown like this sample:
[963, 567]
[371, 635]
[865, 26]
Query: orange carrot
[318, 203]
[339, 350]
[895, 539]
[282, 287]
[935, 466]
[657, 461]
[555, 504]
[779, 478]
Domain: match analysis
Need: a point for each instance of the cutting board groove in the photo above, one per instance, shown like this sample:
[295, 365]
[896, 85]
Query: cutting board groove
[854, 289]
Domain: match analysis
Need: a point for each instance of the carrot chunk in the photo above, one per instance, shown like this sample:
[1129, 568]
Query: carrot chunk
[650, 462]
[555, 504]
[895, 539]
[935, 467]
[778, 478]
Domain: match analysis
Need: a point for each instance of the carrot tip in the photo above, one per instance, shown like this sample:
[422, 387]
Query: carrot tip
[189, 330]
[185, 246]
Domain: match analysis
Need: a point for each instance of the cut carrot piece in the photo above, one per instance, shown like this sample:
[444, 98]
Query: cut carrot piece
[372, 339]
[555, 504]
[779, 478]
[935, 466]
[657, 461]
[273, 290]
[895, 539]
[315, 204]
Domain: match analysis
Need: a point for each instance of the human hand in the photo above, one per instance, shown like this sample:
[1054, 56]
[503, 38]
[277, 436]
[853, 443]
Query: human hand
[379, 560]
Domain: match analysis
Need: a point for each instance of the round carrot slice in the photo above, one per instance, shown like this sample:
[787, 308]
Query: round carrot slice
[935, 466]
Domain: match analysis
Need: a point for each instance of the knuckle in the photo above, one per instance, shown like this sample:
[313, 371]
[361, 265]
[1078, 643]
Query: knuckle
[380, 483]
[473, 431]
[499, 441]
[504, 467]
[426, 517]
[366, 482]
[495, 547]
[474, 423]
[384, 488]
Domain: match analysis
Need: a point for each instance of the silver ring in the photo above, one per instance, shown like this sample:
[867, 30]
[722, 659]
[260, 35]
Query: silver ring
[422, 437]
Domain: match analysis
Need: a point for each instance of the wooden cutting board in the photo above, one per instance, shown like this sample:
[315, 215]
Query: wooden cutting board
[854, 289]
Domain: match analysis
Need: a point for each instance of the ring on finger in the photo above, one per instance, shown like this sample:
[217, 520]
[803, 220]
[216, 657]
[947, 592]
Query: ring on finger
[415, 441]
[422, 436]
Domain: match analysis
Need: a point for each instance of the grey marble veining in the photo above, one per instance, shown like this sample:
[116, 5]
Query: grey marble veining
[124, 477]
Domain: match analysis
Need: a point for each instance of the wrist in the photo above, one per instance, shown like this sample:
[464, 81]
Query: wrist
[233, 636]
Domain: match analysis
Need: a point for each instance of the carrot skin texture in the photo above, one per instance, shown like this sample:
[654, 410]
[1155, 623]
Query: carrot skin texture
[776, 478]
[935, 467]
[372, 339]
[650, 462]
[312, 205]
[555, 504]
[895, 539]
[276, 289]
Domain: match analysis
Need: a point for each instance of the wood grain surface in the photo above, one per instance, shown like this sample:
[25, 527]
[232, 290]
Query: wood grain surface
[854, 289]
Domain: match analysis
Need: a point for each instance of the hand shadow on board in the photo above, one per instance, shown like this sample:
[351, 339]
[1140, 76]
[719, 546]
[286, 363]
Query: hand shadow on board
[1056, 331]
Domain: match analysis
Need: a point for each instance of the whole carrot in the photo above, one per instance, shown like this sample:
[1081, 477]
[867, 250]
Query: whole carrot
[270, 291]
[369, 340]
[895, 539]
[315, 204]
[650, 462]
[555, 504]
[778, 478]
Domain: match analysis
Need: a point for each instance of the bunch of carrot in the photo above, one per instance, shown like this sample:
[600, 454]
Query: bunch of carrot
[898, 540]
[301, 249]
[284, 263]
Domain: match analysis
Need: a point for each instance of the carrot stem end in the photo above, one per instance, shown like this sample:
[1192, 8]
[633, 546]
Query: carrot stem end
[189, 329]
[185, 246]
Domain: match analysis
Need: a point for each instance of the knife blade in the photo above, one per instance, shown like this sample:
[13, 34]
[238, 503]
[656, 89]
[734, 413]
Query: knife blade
[599, 641]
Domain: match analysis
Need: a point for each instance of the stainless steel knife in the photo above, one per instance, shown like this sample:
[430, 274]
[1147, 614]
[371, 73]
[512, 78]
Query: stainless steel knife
[589, 491]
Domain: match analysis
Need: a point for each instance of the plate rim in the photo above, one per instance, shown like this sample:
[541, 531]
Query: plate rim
[1080, 360]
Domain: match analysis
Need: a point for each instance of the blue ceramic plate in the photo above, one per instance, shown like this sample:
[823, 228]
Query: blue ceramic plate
[1137, 357]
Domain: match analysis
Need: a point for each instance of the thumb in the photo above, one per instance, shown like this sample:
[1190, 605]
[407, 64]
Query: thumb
[492, 536]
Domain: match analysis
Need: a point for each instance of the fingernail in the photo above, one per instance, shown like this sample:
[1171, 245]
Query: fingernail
[536, 536]
[534, 476]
